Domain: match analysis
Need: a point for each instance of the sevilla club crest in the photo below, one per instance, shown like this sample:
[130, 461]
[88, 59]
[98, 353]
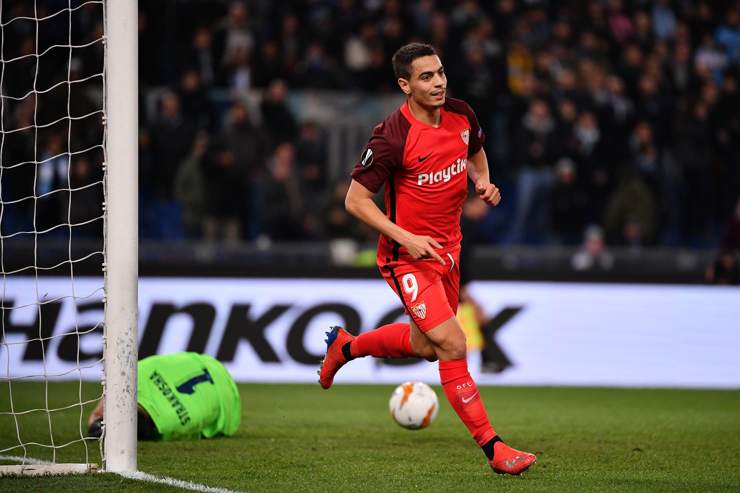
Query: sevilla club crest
[420, 310]
[465, 135]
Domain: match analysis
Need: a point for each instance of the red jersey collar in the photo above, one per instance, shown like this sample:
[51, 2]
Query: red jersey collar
[410, 116]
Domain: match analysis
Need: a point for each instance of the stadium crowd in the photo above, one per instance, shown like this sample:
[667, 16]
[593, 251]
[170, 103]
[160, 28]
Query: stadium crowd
[612, 120]
[623, 115]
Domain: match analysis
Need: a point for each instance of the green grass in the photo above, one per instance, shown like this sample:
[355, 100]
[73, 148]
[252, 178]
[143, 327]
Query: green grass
[300, 438]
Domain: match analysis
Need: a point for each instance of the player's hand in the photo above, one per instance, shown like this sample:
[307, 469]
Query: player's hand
[488, 192]
[423, 247]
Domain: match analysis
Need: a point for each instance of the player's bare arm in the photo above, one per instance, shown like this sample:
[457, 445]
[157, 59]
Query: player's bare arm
[359, 202]
[478, 173]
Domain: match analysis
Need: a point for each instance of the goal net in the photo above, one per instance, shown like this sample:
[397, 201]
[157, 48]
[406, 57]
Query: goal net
[67, 235]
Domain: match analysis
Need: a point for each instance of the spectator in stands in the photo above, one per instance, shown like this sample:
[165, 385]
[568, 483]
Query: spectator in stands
[226, 187]
[725, 270]
[421, 16]
[316, 70]
[566, 114]
[631, 213]
[644, 154]
[365, 59]
[478, 83]
[568, 204]
[149, 59]
[392, 30]
[51, 179]
[620, 113]
[88, 131]
[172, 135]
[282, 201]
[19, 76]
[536, 145]
[519, 63]
[588, 143]
[291, 41]
[148, 224]
[731, 234]
[269, 63]
[246, 140]
[338, 224]
[593, 253]
[17, 180]
[621, 27]
[237, 71]
[439, 34]
[664, 19]
[727, 34]
[233, 38]
[643, 34]
[710, 57]
[653, 108]
[702, 19]
[194, 100]
[311, 161]
[85, 205]
[471, 314]
[203, 58]
[695, 154]
[357, 51]
[232, 167]
[726, 125]
[190, 189]
[681, 69]
[276, 115]
[171, 138]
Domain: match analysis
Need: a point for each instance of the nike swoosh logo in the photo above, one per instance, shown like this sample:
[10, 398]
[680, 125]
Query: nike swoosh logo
[465, 401]
[424, 157]
[513, 462]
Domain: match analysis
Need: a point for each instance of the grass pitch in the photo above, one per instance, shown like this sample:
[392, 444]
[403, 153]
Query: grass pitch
[301, 438]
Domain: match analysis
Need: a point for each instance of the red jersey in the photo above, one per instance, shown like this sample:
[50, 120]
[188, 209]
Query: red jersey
[424, 169]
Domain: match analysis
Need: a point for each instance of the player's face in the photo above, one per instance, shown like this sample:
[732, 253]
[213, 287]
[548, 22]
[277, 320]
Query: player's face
[427, 84]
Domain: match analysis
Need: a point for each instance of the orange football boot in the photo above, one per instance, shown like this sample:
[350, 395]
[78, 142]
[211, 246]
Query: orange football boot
[507, 460]
[334, 359]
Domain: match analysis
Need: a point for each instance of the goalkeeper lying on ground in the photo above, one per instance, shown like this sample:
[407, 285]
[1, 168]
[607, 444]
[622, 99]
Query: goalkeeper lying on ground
[181, 396]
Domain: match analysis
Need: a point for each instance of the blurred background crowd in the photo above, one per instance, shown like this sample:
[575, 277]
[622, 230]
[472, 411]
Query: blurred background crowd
[609, 121]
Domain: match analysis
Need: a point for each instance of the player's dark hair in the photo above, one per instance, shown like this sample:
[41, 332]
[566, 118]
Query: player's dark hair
[406, 54]
[145, 428]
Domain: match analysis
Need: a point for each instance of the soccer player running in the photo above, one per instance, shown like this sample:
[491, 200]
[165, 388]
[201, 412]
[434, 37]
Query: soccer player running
[423, 153]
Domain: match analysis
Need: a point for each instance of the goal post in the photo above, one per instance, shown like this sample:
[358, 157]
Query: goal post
[68, 235]
[121, 234]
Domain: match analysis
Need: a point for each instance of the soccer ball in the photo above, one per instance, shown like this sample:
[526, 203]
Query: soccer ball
[414, 405]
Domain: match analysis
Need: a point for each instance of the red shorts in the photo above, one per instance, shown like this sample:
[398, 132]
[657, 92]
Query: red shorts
[429, 291]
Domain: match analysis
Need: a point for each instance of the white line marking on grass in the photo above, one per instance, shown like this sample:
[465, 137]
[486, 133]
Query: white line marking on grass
[187, 485]
[137, 476]
[26, 460]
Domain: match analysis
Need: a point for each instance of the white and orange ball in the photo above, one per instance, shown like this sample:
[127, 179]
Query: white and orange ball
[414, 405]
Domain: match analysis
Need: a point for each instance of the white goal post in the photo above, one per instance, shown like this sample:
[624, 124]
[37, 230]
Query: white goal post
[121, 234]
[36, 350]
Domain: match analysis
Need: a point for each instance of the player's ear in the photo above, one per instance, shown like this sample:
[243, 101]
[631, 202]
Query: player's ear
[404, 85]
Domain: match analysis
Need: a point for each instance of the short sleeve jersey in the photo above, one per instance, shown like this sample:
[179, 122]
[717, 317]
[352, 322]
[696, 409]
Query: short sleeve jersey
[424, 170]
[188, 395]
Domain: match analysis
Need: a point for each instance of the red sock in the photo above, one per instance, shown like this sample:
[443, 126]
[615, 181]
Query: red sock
[462, 393]
[388, 341]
